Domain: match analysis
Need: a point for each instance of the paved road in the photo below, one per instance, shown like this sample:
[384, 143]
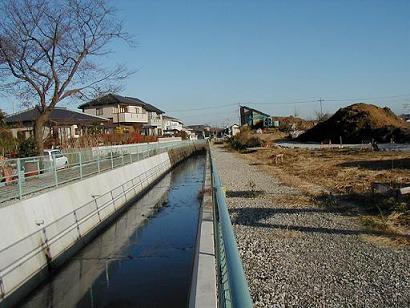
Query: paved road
[297, 254]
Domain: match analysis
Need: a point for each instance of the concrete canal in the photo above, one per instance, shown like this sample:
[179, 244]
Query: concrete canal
[143, 259]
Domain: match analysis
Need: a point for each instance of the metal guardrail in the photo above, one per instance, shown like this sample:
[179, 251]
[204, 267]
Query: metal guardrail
[25, 176]
[15, 256]
[233, 288]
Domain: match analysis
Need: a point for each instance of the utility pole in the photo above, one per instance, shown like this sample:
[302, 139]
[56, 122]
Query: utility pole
[321, 110]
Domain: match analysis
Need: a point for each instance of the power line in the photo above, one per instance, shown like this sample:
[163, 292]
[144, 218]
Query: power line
[321, 110]
[204, 108]
[310, 101]
[366, 98]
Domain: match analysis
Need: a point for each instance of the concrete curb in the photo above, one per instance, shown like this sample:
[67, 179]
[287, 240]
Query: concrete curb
[203, 287]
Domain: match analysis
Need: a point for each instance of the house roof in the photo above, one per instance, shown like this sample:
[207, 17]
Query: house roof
[114, 99]
[198, 127]
[172, 119]
[59, 115]
[252, 109]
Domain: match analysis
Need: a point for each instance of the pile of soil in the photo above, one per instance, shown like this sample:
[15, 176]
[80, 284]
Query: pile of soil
[360, 123]
[292, 122]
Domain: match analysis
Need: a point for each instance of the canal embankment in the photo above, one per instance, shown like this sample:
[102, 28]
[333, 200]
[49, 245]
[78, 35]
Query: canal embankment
[45, 230]
[144, 258]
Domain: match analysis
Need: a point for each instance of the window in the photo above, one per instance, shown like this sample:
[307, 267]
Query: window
[99, 111]
[123, 109]
[56, 153]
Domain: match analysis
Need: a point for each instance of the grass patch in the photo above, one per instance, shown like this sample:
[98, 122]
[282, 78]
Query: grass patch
[341, 179]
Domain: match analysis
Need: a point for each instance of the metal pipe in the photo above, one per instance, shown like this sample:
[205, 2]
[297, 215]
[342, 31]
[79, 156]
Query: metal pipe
[238, 285]
[19, 178]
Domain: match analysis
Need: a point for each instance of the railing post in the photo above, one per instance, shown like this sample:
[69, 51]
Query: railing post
[55, 171]
[112, 160]
[80, 160]
[98, 161]
[19, 178]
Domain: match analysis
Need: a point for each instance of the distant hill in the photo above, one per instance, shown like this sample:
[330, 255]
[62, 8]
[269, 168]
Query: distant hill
[360, 122]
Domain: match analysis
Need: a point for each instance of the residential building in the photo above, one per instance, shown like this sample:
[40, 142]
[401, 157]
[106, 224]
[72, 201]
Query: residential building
[232, 130]
[200, 131]
[252, 117]
[406, 117]
[171, 126]
[63, 124]
[127, 113]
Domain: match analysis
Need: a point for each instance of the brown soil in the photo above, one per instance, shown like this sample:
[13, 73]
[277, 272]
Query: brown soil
[297, 123]
[360, 123]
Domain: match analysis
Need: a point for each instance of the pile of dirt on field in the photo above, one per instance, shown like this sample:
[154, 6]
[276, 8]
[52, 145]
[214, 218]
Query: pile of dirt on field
[291, 122]
[360, 123]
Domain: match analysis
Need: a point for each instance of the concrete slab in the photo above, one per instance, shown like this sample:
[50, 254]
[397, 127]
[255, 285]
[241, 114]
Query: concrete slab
[204, 285]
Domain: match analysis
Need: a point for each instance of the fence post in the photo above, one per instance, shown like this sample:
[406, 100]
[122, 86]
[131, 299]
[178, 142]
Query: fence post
[98, 161]
[81, 164]
[55, 171]
[19, 178]
[112, 161]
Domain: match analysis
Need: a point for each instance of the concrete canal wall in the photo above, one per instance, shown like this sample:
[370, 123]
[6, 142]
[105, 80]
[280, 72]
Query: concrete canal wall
[41, 232]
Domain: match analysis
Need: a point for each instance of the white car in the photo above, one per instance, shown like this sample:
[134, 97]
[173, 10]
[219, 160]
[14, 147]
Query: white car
[60, 160]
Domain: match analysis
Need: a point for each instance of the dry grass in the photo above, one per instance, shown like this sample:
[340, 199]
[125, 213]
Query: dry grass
[337, 171]
[342, 178]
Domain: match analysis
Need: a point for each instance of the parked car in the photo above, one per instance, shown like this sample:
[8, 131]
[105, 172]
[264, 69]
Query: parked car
[60, 160]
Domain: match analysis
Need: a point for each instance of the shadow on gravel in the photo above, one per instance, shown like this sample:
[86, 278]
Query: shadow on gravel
[244, 193]
[252, 217]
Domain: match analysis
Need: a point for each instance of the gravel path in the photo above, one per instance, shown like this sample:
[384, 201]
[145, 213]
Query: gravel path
[303, 255]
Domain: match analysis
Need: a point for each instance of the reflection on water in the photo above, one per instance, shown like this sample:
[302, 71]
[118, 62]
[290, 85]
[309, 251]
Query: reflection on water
[144, 259]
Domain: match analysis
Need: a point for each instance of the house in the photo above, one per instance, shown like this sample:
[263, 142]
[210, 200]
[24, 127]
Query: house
[232, 130]
[406, 117]
[127, 113]
[63, 124]
[171, 126]
[252, 117]
[190, 133]
[199, 131]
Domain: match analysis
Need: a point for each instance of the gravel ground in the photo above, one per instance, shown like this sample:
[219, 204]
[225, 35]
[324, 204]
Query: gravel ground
[302, 255]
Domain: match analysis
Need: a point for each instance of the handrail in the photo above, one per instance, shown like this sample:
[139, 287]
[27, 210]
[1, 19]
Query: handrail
[80, 164]
[232, 286]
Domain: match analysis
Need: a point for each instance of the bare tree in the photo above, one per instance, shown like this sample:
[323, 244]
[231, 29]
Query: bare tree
[49, 51]
[320, 117]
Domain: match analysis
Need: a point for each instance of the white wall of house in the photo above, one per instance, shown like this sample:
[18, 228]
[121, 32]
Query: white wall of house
[105, 112]
[234, 129]
[155, 119]
[64, 132]
[124, 114]
[170, 124]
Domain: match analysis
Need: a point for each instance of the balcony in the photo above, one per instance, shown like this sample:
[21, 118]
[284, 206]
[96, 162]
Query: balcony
[127, 117]
[155, 122]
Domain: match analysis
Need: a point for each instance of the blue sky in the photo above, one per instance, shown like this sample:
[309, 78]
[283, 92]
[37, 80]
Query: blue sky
[212, 55]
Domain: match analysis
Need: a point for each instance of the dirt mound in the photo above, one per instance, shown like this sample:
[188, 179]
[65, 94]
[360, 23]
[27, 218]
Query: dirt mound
[360, 123]
[292, 122]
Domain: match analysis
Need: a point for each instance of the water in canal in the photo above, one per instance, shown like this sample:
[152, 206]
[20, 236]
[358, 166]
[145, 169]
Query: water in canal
[144, 259]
